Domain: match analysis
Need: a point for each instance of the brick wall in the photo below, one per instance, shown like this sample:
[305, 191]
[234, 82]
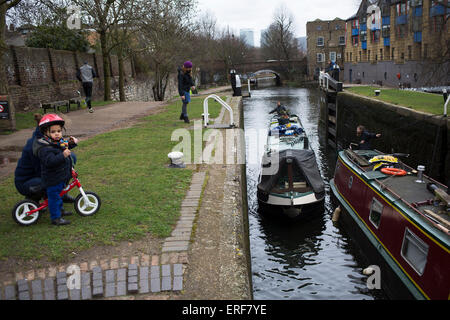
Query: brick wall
[38, 75]
[330, 31]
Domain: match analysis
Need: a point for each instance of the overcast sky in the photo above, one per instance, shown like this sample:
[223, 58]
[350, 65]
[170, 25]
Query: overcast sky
[257, 14]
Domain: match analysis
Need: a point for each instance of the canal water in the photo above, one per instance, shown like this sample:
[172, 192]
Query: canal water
[314, 260]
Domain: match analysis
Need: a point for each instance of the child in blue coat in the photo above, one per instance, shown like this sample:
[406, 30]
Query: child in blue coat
[56, 164]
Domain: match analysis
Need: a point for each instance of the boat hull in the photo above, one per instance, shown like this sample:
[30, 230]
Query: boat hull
[391, 284]
[355, 194]
[304, 212]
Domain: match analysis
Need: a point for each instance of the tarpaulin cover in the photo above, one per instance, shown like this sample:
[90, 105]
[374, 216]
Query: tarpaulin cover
[305, 160]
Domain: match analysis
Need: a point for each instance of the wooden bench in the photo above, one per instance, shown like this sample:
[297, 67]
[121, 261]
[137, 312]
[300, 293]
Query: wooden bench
[76, 101]
[56, 105]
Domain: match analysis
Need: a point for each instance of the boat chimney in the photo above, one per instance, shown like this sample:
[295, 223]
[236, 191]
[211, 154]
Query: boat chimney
[420, 170]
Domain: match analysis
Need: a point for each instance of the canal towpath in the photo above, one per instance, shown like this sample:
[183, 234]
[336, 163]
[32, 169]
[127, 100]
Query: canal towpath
[202, 259]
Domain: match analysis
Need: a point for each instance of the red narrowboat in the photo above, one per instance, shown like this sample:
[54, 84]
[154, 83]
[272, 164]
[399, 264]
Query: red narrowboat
[404, 215]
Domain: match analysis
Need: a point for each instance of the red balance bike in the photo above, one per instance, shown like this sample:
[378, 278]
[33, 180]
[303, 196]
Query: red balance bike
[87, 203]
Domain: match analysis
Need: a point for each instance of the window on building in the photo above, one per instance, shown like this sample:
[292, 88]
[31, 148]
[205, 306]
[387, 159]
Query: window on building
[333, 56]
[414, 251]
[337, 27]
[409, 53]
[368, 55]
[319, 28]
[381, 54]
[342, 40]
[320, 42]
[376, 209]
[351, 58]
[402, 56]
[393, 54]
[320, 57]
[425, 51]
[360, 57]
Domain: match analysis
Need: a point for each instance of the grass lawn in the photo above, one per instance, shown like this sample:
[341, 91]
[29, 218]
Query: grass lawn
[128, 169]
[426, 102]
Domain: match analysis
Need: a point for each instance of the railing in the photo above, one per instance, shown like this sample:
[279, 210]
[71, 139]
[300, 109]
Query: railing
[327, 83]
[223, 103]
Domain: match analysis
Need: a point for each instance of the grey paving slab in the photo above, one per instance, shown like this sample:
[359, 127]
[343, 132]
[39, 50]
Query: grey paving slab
[86, 293]
[143, 272]
[165, 270]
[75, 294]
[62, 293]
[122, 274]
[110, 276]
[132, 272]
[49, 284]
[97, 276]
[144, 286]
[38, 296]
[166, 284]
[132, 267]
[96, 269]
[24, 295]
[154, 272]
[86, 279]
[36, 286]
[97, 291]
[178, 283]
[155, 284]
[133, 287]
[175, 249]
[97, 283]
[22, 285]
[133, 279]
[110, 290]
[121, 288]
[175, 243]
[178, 269]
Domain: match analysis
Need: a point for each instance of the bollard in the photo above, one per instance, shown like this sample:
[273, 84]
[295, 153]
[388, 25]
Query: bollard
[176, 160]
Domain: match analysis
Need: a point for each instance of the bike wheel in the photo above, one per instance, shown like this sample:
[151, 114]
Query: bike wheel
[19, 213]
[87, 208]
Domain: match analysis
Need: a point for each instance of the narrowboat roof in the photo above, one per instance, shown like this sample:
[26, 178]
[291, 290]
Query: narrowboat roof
[409, 197]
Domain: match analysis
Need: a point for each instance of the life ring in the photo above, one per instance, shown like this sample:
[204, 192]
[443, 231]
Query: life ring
[394, 171]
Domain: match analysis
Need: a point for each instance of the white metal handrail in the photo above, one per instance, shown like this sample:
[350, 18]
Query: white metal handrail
[223, 103]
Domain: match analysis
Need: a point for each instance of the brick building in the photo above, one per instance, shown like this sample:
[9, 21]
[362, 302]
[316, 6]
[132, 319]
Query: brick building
[398, 42]
[325, 41]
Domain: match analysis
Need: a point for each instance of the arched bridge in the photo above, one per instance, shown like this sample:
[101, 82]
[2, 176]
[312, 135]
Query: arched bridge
[280, 68]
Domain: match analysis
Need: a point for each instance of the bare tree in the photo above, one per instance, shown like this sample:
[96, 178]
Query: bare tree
[230, 50]
[278, 41]
[5, 5]
[164, 38]
[104, 14]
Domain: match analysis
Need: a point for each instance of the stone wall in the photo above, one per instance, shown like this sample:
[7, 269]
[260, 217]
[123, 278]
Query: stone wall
[425, 137]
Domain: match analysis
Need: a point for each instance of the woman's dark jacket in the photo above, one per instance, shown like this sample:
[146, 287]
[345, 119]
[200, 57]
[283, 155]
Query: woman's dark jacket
[185, 82]
[55, 169]
[28, 166]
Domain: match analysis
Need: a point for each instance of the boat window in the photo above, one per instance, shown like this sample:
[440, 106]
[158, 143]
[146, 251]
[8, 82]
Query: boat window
[376, 209]
[414, 251]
